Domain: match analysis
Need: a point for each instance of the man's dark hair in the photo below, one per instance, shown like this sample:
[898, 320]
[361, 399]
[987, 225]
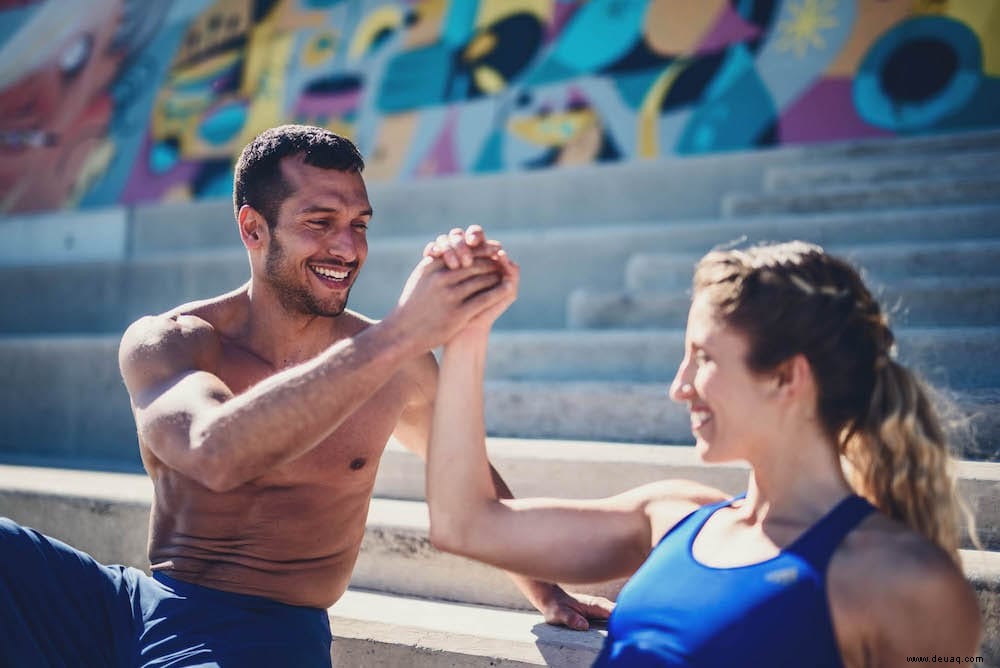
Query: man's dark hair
[257, 179]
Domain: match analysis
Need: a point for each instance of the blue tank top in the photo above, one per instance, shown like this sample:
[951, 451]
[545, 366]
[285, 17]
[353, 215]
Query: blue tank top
[676, 611]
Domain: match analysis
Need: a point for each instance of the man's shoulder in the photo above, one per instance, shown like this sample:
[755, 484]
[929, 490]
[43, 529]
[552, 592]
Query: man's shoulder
[186, 337]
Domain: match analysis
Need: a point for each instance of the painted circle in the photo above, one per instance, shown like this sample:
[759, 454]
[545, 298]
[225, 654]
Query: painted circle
[918, 73]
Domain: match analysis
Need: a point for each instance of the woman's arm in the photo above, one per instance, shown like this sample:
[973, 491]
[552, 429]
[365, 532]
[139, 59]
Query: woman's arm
[557, 540]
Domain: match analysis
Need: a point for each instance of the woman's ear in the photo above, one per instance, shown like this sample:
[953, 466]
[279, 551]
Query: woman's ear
[794, 376]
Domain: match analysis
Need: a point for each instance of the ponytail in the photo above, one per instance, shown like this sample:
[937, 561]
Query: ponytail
[898, 458]
[794, 298]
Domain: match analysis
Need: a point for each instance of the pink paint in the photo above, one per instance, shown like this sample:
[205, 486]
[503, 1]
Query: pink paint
[441, 158]
[561, 15]
[825, 112]
[144, 186]
[315, 105]
[730, 28]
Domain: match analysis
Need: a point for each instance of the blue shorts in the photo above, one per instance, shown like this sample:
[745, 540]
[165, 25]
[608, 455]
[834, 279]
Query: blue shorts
[59, 607]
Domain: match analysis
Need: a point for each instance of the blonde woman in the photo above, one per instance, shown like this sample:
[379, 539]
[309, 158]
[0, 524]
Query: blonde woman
[843, 550]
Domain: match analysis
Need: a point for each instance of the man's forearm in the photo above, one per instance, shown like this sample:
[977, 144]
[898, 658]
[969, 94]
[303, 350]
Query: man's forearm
[288, 414]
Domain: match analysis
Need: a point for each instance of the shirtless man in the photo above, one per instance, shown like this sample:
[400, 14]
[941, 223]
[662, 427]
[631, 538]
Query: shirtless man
[261, 415]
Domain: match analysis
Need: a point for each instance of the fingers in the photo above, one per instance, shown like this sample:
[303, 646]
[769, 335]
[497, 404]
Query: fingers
[459, 247]
[595, 607]
[563, 615]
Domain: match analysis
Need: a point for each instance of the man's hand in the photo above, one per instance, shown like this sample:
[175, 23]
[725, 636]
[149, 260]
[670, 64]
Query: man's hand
[459, 247]
[562, 608]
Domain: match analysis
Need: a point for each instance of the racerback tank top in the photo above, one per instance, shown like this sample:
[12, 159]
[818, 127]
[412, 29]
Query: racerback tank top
[676, 611]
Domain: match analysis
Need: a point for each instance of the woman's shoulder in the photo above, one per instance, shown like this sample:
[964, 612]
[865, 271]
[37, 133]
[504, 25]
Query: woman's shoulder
[667, 502]
[902, 593]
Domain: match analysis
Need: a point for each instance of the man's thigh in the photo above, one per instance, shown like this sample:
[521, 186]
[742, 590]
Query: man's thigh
[60, 607]
[187, 626]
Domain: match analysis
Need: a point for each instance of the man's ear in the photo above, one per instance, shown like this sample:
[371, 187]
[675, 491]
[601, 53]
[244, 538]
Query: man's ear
[253, 227]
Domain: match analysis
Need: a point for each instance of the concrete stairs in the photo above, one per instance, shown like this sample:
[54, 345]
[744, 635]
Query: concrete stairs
[582, 359]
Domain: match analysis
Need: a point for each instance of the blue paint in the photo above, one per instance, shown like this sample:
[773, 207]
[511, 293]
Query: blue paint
[460, 22]
[223, 124]
[600, 32]
[876, 107]
[736, 110]
[414, 79]
[163, 157]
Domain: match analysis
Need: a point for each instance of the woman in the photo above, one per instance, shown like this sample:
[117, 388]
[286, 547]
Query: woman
[844, 549]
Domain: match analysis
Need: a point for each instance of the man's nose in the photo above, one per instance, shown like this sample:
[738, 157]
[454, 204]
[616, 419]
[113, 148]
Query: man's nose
[342, 246]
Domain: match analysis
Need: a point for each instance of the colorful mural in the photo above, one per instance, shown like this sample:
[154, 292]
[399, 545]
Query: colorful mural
[125, 101]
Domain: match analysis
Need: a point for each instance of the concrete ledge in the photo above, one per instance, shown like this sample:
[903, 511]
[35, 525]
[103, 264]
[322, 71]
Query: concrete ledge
[912, 302]
[374, 629]
[982, 188]
[107, 296]
[803, 177]
[396, 557]
[647, 271]
[60, 237]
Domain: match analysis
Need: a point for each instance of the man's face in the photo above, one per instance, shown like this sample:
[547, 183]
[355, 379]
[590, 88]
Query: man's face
[319, 241]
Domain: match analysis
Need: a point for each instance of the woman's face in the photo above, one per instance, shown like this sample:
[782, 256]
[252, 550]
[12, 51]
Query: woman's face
[732, 409]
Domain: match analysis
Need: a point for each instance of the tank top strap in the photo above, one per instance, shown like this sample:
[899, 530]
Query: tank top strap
[821, 540]
[690, 525]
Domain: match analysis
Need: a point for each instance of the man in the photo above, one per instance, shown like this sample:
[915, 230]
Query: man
[261, 415]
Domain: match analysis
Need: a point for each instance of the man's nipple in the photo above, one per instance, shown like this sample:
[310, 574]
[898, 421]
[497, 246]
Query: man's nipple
[358, 463]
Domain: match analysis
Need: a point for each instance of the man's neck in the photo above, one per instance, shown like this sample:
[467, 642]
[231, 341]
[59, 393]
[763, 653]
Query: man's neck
[284, 338]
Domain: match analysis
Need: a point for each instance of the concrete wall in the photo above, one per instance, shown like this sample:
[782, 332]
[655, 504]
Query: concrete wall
[107, 102]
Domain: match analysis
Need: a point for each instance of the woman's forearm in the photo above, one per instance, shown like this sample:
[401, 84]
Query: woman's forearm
[460, 487]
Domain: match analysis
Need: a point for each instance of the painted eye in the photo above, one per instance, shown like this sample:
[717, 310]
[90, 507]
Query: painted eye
[76, 55]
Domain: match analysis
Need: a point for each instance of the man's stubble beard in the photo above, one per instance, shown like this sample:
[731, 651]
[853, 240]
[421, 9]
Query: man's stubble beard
[292, 294]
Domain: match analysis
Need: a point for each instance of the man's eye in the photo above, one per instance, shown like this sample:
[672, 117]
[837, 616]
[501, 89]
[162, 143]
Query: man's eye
[317, 223]
[361, 226]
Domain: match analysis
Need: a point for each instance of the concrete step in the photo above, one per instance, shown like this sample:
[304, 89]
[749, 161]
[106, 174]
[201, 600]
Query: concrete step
[880, 262]
[856, 172]
[668, 188]
[951, 357]
[982, 188]
[105, 296]
[107, 515]
[532, 468]
[914, 302]
[104, 514]
[81, 408]
[389, 631]
[642, 413]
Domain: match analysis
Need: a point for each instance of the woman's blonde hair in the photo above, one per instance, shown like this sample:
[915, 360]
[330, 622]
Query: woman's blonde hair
[794, 298]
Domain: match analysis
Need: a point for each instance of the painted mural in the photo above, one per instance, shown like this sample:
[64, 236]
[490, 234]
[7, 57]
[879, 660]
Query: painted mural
[126, 101]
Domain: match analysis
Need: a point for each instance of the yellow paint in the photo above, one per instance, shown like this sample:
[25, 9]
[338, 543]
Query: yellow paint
[873, 19]
[676, 27]
[983, 18]
[206, 68]
[395, 135]
[268, 56]
[430, 21]
[488, 79]
[380, 19]
[481, 45]
[584, 148]
[554, 130]
[494, 11]
[320, 49]
[648, 143]
[804, 28]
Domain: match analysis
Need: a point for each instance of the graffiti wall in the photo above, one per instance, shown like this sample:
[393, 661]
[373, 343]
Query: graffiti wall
[125, 101]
